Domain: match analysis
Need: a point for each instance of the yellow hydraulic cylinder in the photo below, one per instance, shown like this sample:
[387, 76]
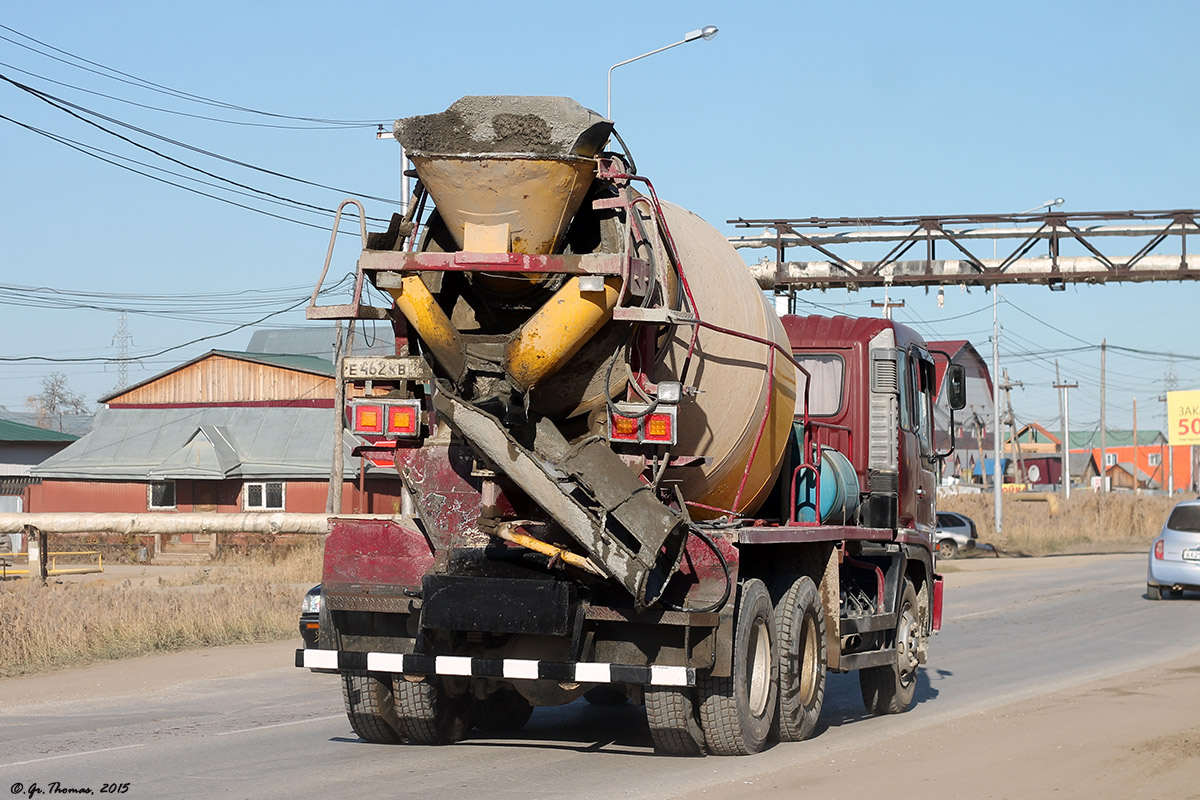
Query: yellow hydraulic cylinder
[557, 330]
[416, 303]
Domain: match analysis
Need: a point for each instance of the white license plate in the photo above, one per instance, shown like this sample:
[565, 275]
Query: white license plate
[1192, 555]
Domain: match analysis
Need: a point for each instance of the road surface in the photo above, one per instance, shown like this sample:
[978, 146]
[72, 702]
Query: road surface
[242, 722]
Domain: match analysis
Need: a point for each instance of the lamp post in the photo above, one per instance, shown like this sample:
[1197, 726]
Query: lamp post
[996, 472]
[705, 33]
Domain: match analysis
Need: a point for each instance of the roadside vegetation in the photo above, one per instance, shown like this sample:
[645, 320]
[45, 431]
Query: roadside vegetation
[1088, 522]
[251, 598]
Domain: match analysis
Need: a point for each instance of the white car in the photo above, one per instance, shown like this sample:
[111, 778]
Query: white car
[954, 532]
[1175, 554]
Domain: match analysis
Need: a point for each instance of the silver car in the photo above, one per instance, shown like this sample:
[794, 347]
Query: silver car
[954, 532]
[1175, 554]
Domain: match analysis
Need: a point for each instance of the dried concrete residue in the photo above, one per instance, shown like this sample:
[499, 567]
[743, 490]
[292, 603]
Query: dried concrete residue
[484, 124]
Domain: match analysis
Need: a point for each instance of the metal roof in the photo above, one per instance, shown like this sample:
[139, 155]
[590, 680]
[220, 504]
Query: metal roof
[1146, 437]
[211, 443]
[16, 432]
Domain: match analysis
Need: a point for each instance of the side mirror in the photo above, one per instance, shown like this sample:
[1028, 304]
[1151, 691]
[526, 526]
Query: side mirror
[956, 386]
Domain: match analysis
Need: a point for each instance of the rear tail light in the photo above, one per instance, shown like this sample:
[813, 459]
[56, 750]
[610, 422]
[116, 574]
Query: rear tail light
[622, 428]
[404, 419]
[1158, 549]
[367, 418]
[657, 427]
[387, 418]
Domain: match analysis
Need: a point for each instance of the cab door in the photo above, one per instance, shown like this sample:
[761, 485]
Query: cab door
[925, 466]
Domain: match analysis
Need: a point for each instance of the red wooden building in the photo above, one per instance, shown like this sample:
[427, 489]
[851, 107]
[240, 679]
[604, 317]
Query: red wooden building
[224, 432]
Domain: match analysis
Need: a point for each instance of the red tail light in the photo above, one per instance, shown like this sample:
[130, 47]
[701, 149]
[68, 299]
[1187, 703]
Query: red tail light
[654, 428]
[622, 429]
[367, 418]
[659, 428]
[1158, 549]
[404, 419]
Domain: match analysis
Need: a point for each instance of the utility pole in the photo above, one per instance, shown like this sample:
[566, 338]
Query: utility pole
[887, 306]
[1137, 486]
[996, 479]
[1103, 424]
[1011, 419]
[1162, 398]
[1064, 412]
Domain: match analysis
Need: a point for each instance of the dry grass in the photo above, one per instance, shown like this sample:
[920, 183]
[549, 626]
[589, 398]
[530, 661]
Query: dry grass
[1086, 521]
[77, 622]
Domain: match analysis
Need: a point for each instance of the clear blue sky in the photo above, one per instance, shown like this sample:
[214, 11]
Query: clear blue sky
[794, 109]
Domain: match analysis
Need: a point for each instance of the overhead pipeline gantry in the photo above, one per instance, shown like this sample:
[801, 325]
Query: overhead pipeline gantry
[1158, 240]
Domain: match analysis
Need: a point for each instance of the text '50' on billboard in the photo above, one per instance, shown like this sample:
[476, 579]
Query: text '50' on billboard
[1183, 417]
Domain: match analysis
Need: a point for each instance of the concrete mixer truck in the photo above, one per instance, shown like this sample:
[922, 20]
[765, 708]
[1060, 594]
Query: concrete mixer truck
[625, 477]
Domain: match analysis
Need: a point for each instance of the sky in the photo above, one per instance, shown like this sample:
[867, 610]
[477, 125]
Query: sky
[792, 110]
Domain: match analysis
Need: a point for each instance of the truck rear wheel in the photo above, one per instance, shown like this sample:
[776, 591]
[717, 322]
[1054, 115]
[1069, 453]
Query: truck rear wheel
[502, 711]
[371, 709]
[736, 711]
[890, 689]
[800, 623]
[429, 715]
[674, 723]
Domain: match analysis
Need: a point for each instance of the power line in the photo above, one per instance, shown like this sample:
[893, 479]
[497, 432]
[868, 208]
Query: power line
[65, 106]
[149, 107]
[142, 83]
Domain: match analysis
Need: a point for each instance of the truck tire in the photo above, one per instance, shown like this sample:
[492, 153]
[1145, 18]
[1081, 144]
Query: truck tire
[800, 623]
[428, 714]
[371, 709]
[502, 711]
[736, 712]
[674, 724]
[947, 548]
[890, 689]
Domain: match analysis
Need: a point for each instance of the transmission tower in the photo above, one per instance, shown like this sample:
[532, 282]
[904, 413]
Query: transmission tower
[121, 340]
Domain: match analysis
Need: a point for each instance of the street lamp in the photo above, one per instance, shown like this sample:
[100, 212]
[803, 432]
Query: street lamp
[705, 33]
[1058, 201]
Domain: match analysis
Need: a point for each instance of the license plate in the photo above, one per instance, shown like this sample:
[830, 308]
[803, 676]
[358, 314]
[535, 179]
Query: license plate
[1192, 554]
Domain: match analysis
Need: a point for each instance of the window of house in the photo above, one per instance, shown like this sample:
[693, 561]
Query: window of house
[1110, 459]
[1155, 459]
[160, 494]
[267, 496]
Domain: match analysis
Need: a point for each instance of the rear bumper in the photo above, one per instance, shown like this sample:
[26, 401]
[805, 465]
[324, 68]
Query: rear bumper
[1174, 573]
[510, 669]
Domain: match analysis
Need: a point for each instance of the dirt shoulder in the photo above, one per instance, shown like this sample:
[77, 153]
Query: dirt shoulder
[1135, 735]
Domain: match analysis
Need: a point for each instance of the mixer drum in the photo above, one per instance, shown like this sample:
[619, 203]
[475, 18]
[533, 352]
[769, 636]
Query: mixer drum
[731, 375]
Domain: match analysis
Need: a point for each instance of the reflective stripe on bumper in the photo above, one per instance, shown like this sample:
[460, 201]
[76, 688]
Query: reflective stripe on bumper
[502, 668]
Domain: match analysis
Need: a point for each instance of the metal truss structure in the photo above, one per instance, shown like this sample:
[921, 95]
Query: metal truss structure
[1159, 240]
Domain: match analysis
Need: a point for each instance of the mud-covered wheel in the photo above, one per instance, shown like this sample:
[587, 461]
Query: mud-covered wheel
[947, 548]
[674, 722]
[430, 715]
[607, 694]
[800, 623]
[502, 711]
[890, 689]
[371, 709]
[736, 712]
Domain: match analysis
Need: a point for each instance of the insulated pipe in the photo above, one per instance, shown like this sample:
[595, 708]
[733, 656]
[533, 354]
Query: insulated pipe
[418, 306]
[557, 330]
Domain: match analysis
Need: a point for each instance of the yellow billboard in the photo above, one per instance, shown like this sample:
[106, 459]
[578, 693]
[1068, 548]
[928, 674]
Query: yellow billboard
[1183, 417]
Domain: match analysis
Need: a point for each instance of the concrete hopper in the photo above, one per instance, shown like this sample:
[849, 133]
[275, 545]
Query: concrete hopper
[506, 173]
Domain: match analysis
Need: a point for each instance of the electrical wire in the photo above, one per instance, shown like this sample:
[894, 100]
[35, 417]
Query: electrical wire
[65, 106]
[142, 83]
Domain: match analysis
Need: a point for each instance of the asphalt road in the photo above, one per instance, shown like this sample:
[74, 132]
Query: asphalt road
[1013, 629]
